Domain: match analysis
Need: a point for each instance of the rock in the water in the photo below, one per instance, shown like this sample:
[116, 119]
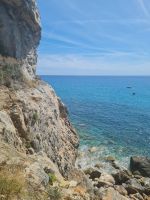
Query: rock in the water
[110, 159]
[92, 149]
[141, 165]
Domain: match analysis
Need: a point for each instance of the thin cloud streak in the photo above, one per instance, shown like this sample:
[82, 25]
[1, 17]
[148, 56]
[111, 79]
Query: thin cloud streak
[94, 65]
[103, 21]
[98, 36]
[143, 7]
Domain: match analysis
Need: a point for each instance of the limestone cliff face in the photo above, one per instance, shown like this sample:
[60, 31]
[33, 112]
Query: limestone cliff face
[20, 34]
[32, 118]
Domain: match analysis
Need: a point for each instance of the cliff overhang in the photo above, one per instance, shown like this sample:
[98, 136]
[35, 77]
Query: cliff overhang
[20, 33]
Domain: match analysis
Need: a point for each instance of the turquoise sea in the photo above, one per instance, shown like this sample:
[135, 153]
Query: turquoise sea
[110, 113]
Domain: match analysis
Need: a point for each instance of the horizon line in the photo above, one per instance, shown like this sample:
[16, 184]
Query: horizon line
[95, 75]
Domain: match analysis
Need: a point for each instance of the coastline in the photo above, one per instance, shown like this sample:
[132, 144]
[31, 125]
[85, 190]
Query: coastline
[38, 143]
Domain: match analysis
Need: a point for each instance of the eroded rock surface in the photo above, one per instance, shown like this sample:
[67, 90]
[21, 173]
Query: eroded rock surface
[19, 27]
[20, 34]
[32, 118]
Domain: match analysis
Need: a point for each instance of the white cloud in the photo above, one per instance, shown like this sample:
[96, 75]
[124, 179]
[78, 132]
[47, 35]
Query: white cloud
[111, 64]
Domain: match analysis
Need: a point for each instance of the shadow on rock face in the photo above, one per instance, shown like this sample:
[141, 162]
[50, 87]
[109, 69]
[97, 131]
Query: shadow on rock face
[19, 29]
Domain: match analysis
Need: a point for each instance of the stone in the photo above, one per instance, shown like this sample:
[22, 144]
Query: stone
[112, 194]
[136, 196]
[145, 181]
[49, 171]
[133, 186]
[92, 150]
[31, 151]
[107, 178]
[82, 180]
[37, 175]
[110, 159]
[101, 183]
[146, 197]
[122, 176]
[115, 165]
[63, 109]
[121, 190]
[140, 164]
[98, 165]
[93, 173]
[137, 176]
[73, 183]
[104, 180]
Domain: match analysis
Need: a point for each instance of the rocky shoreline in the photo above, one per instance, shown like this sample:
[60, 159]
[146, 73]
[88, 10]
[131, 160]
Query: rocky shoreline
[124, 184]
[38, 145]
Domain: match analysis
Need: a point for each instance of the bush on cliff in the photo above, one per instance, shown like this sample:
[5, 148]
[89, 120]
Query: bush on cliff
[11, 182]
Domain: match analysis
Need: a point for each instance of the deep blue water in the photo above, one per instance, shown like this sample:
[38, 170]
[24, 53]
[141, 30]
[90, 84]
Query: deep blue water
[107, 113]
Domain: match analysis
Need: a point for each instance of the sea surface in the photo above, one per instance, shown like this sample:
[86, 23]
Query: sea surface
[109, 113]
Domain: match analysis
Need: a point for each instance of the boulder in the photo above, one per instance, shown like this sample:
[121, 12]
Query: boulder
[121, 190]
[110, 159]
[146, 197]
[112, 194]
[122, 176]
[98, 165]
[107, 178]
[133, 186]
[114, 165]
[92, 150]
[93, 173]
[145, 182]
[101, 183]
[140, 165]
[73, 183]
[136, 196]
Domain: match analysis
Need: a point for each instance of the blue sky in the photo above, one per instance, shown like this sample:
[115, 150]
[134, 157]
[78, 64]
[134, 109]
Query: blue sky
[94, 37]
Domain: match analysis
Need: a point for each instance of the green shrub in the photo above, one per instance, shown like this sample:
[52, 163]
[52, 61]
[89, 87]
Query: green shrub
[54, 193]
[35, 118]
[10, 72]
[11, 182]
[52, 178]
[9, 187]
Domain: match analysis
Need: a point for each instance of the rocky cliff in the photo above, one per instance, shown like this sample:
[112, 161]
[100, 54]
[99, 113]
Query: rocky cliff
[38, 145]
[32, 118]
[20, 34]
